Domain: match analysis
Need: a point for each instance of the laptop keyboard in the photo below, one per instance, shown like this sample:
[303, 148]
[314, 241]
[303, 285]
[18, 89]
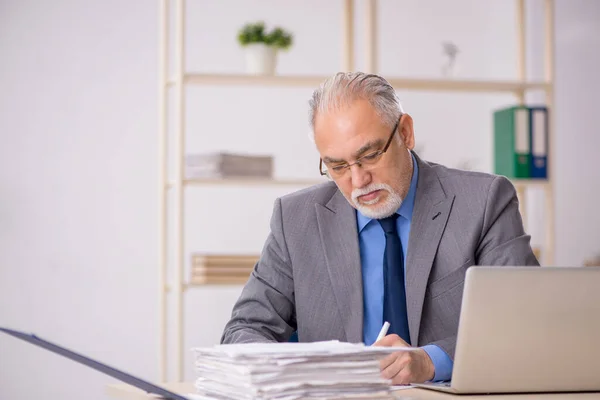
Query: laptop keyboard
[441, 384]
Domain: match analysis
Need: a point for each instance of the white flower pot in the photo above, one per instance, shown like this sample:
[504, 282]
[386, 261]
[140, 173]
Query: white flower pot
[260, 59]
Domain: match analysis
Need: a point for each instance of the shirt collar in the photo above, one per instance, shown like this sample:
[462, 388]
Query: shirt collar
[406, 208]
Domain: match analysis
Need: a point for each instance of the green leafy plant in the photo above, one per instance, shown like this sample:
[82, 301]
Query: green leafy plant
[255, 33]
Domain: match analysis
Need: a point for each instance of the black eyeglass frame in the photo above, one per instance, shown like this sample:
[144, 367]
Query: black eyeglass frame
[376, 154]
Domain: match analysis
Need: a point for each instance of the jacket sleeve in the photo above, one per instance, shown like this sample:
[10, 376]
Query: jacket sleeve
[264, 312]
[503, 238]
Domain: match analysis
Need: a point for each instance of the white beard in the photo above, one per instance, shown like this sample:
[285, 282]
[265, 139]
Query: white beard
[377, 208]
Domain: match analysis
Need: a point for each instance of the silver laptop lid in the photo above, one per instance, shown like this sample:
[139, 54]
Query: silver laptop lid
[529, 329]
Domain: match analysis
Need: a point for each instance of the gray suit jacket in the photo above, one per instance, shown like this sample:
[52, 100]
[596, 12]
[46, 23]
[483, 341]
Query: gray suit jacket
[309, 275]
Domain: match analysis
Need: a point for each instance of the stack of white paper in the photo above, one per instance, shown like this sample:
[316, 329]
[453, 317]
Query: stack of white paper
[292, 371]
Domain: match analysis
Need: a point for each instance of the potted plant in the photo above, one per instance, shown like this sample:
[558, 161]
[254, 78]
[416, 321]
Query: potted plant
[261, 47]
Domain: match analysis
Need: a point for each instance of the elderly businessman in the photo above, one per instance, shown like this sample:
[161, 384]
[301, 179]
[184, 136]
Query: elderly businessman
[388, 238]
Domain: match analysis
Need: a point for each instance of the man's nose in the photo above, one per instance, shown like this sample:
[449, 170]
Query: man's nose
[360, 177]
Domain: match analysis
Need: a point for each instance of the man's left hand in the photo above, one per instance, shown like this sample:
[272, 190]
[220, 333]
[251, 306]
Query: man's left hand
[405, 367]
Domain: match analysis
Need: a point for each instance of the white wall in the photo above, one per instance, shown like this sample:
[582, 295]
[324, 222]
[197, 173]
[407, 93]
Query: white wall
[578, 132]
[77, 238]
[78, 162]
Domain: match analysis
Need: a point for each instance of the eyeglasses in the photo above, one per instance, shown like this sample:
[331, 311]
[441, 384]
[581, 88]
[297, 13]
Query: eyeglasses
[339, 169]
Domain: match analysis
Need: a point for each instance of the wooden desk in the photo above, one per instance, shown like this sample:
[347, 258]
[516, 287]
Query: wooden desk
[127, 392]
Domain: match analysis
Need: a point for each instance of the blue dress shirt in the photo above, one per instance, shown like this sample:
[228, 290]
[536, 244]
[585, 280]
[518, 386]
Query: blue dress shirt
[372, 246]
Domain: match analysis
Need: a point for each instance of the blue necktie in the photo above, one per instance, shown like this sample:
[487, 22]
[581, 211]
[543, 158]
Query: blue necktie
[394, 298]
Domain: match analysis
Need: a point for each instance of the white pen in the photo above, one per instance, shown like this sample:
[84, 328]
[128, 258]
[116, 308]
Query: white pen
[383, 332]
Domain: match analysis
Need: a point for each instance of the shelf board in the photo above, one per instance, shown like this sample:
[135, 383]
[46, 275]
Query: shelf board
[255, 80]
[249, 182]
[456, 85]
[312, 81]
[255, 182]
[308, 182]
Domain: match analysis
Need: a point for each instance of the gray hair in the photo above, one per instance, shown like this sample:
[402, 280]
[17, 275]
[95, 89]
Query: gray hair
[345, 87]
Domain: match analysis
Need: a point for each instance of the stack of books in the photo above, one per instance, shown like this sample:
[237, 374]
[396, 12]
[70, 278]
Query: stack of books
[226, 165]
[292, 371]
[222, 268]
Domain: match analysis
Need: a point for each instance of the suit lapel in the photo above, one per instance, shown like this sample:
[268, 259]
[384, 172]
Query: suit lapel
[339, 237]
[431, 210]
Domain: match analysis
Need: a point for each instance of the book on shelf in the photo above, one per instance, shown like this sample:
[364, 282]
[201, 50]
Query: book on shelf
[228, 165]
[521, 142]
[219, 280]
[222, 268]
[539, 141]
[224, 258]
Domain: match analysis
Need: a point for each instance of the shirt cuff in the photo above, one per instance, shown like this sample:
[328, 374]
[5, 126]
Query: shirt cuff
[441, 362]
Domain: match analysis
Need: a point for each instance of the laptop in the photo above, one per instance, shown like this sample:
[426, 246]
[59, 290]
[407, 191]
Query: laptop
[115, 373]
[527, 330]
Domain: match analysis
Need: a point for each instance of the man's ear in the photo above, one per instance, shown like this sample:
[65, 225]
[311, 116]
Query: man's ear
[407, 133]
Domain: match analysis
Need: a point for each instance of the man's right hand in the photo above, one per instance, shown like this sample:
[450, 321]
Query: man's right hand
[405, 367]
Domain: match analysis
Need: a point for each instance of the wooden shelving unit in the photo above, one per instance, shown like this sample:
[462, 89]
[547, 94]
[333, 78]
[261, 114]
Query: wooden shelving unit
[178, 79]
